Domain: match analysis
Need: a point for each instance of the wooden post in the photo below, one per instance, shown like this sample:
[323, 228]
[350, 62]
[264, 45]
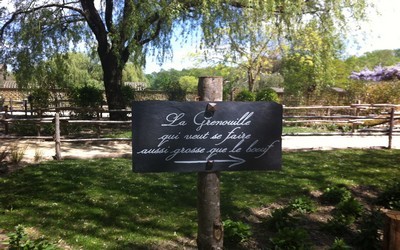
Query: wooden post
[391, 125]
[11, 107]
[57, 137]
[391, 234]
[5, 118]
[210, 228]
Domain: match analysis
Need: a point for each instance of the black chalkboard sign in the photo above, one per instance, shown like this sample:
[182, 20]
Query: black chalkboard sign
[203, 136]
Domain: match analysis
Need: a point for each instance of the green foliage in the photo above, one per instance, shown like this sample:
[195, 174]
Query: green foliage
[291, 238]
[99, 193]
[303, 205]
[371, 226]
[188, 83]
[245, 96]
[267, 95]
[281, 218]
[350, 208]
[87, 97]
[340, 244]
[236, 231]
[334, 195]
[390, 197]
[175, 92]
[345, 214]
[19, 240]
[16, 154]
[40, 98]
[128, 95]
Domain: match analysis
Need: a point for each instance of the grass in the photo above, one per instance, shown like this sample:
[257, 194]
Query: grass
[102, 204]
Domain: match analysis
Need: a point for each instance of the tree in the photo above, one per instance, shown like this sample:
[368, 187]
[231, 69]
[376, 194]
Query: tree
[123, 30]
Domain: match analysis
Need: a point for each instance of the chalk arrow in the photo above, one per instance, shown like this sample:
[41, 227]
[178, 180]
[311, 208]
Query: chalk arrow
[235, 161]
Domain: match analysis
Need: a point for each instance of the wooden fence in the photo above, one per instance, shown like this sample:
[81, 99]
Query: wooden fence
[360, 120]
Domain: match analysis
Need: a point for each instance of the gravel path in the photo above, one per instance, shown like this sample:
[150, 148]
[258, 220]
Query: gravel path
[46, 149]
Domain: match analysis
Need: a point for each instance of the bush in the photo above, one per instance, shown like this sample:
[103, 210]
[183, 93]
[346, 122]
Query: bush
[87, 97]
[281, 218]
[390, 197]
[245, 96]
[291, 238]
[339, 244]
[267, 95]
[40, 98]
[20, 240]
[236, 231]
[370, 227]
[175, 92]
[128, 95]
[334, 195]
[303, 205]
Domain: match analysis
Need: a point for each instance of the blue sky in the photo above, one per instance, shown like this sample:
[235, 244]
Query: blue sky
[381, 32]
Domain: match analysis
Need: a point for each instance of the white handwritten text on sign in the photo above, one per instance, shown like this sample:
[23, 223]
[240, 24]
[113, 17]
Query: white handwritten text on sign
[186, 137]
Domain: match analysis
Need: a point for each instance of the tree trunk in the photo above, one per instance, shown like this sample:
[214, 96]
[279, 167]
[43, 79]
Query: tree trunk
[112, 71]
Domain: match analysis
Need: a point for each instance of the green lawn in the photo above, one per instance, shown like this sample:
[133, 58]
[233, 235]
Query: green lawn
[102, 204]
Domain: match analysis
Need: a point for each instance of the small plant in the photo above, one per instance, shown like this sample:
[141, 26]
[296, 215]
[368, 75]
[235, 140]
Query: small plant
[16, 155]
[303, 205]
[350, 208]
[267, 95]
[339, 244]
[281, 218]
[334, 195]
[339, 224]
[3, 155]
[390, 197]
[236, 231]
[245, 96]
[291, 238]
[370, 226]
[19, 240]
[38, 156]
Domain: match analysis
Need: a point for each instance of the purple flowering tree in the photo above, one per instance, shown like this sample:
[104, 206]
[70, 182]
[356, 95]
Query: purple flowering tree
[378, 74]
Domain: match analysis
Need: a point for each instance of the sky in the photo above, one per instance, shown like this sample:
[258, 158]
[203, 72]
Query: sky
[381, 32]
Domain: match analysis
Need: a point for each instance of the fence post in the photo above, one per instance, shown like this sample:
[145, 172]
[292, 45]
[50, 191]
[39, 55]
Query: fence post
[57, 137]
[391, 234]
[210, 228]
[11, 107]
[5, 120]
[391, 125]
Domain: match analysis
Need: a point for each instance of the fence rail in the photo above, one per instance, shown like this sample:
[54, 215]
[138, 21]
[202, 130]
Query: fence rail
[363, 119]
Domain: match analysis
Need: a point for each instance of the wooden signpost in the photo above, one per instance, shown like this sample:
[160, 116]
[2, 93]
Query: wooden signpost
[207, 137]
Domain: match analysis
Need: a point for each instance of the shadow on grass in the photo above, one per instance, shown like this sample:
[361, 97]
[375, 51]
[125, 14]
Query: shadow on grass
[102, 204]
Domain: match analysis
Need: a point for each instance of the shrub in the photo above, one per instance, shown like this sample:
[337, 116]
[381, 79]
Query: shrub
[87, 97]
[370, 226]
[16, 155]
[303, 205]
[236, 231]
[245, 96]
[40, 98]
[128, 95]
[350, 208]
[20, 240]
[291, 238]
[281, 218]
[334, 195]
[339, 244]
[267, 95]
[390, 197]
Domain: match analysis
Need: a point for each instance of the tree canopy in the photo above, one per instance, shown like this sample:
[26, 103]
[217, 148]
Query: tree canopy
[121, 31]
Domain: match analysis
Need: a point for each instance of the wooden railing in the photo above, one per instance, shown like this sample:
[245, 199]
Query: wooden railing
[362, 119]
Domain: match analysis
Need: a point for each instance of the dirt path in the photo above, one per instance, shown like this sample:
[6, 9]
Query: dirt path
[45, 150]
